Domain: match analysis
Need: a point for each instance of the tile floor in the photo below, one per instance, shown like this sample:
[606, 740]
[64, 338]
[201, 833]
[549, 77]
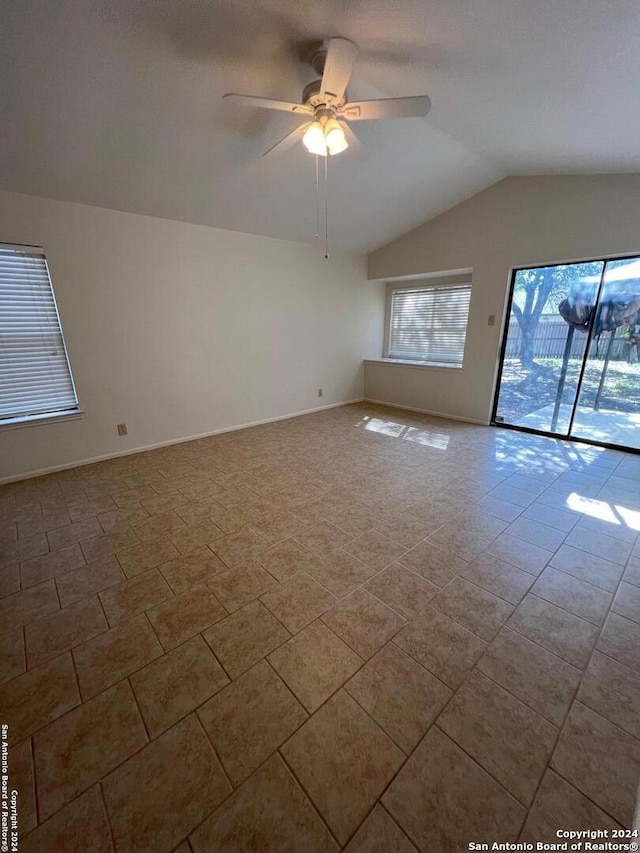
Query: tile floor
[361, 629]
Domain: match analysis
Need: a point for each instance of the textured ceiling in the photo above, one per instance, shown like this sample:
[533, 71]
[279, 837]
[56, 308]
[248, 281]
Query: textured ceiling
[118, 103]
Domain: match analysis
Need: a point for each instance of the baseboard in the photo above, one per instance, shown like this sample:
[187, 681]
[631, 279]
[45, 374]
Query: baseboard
[444, 415]
[144, 448]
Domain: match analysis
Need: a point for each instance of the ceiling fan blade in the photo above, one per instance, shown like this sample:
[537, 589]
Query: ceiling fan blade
[267, 103]
[287, 141]
[386, 108]
[352, 139]
[338, 67]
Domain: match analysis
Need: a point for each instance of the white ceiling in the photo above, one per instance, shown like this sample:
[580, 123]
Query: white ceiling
[118, 103]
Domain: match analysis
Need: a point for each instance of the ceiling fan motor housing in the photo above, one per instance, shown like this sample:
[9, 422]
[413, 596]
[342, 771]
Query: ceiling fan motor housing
[312, 97]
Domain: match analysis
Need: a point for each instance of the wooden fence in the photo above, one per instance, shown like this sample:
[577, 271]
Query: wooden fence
[549, 339]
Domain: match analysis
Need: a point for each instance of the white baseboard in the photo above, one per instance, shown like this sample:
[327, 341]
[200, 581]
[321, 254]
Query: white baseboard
[144, 448]
[444, 415]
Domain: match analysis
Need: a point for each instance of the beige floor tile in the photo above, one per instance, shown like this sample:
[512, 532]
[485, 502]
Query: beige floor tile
[556, 630]
[83, 746]
[442, 798]
[21, 779]
[47, 520]
[147, 555]
[401, 696]
[100, 547]
[627, 602]
[298, 601]
[42, 568]
[632, 572]
[114, 655]
[245, 637]
[200, 566]
[380, 834]
[474, 608]
[375, 550]
[243, 583]
[523, 555]
[9, 580]
[507, 738]
[174, 685]
[433, 564]
[352, 518]
[23, 549]
[613, 690]
[402, 590]
[193, 536]
[463, 543]
[500, 578]
[161, 794]
[88, 580]
[551, 516]
[578, 597]
[13, 660]
[595, 570]
[249, 719]
[277, 526]
[79, 827]
[140, 593]
[323, 537]
[288, 557]
[182, 616]
[75, 532]
[364, 622]
[64, 629]
[117, 519]
[270, 813]
[557, 805]
[340, 572]
[239, 547]
[344, 761]
[314, 664]
[620, 640]
[443, 646]
[536, 533]
[163, 523]
[614, 550]
[600, 760]
[538, 678]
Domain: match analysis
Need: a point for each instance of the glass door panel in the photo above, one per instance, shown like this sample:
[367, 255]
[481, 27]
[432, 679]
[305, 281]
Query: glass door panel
[608, 408]
[550, 313]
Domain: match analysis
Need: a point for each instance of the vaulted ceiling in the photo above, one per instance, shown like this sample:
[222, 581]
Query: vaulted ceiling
[118, 103]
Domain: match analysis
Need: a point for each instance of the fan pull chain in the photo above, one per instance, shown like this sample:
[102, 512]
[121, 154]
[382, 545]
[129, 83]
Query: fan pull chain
[317, 199]
[326, 206]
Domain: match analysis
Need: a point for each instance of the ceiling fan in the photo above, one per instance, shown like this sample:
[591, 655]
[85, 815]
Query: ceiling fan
[325, 106]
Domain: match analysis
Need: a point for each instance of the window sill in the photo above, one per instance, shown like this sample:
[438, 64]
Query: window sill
[423, 365]
[38, 420]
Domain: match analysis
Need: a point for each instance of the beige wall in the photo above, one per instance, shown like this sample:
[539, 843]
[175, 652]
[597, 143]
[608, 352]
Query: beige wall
[180, 330]
[516, 222]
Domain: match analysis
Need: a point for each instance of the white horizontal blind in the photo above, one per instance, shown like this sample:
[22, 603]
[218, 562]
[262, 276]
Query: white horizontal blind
[35, 377]
[430, 323]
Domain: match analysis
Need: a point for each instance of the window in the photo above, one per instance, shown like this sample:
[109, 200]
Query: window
[428, 323]
[35, 377]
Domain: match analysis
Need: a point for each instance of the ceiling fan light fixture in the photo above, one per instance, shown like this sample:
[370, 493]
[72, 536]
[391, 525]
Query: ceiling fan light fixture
[314, 139]
[335, 138]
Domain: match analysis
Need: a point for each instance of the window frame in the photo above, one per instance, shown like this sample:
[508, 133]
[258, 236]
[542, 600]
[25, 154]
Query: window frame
[423, 283]
[55, 415]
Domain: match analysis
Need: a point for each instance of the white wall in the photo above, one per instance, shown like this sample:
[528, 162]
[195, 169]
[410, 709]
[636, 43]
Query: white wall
[180, 330]
[516, 222]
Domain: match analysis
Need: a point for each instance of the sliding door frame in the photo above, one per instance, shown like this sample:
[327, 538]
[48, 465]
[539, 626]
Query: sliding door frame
[503, 349]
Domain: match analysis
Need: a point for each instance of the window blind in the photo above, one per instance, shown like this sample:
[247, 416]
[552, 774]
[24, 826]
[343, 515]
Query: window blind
[35, 377]
[430, 323]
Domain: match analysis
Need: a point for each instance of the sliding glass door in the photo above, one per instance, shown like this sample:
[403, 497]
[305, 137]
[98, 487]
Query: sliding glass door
[570, 362]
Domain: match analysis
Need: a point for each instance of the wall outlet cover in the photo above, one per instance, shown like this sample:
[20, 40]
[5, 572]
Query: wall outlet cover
[122, 429]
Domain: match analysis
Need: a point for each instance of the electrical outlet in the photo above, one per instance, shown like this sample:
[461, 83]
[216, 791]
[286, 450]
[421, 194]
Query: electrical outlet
[320, 392]
[492, 320]
[122, 429]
